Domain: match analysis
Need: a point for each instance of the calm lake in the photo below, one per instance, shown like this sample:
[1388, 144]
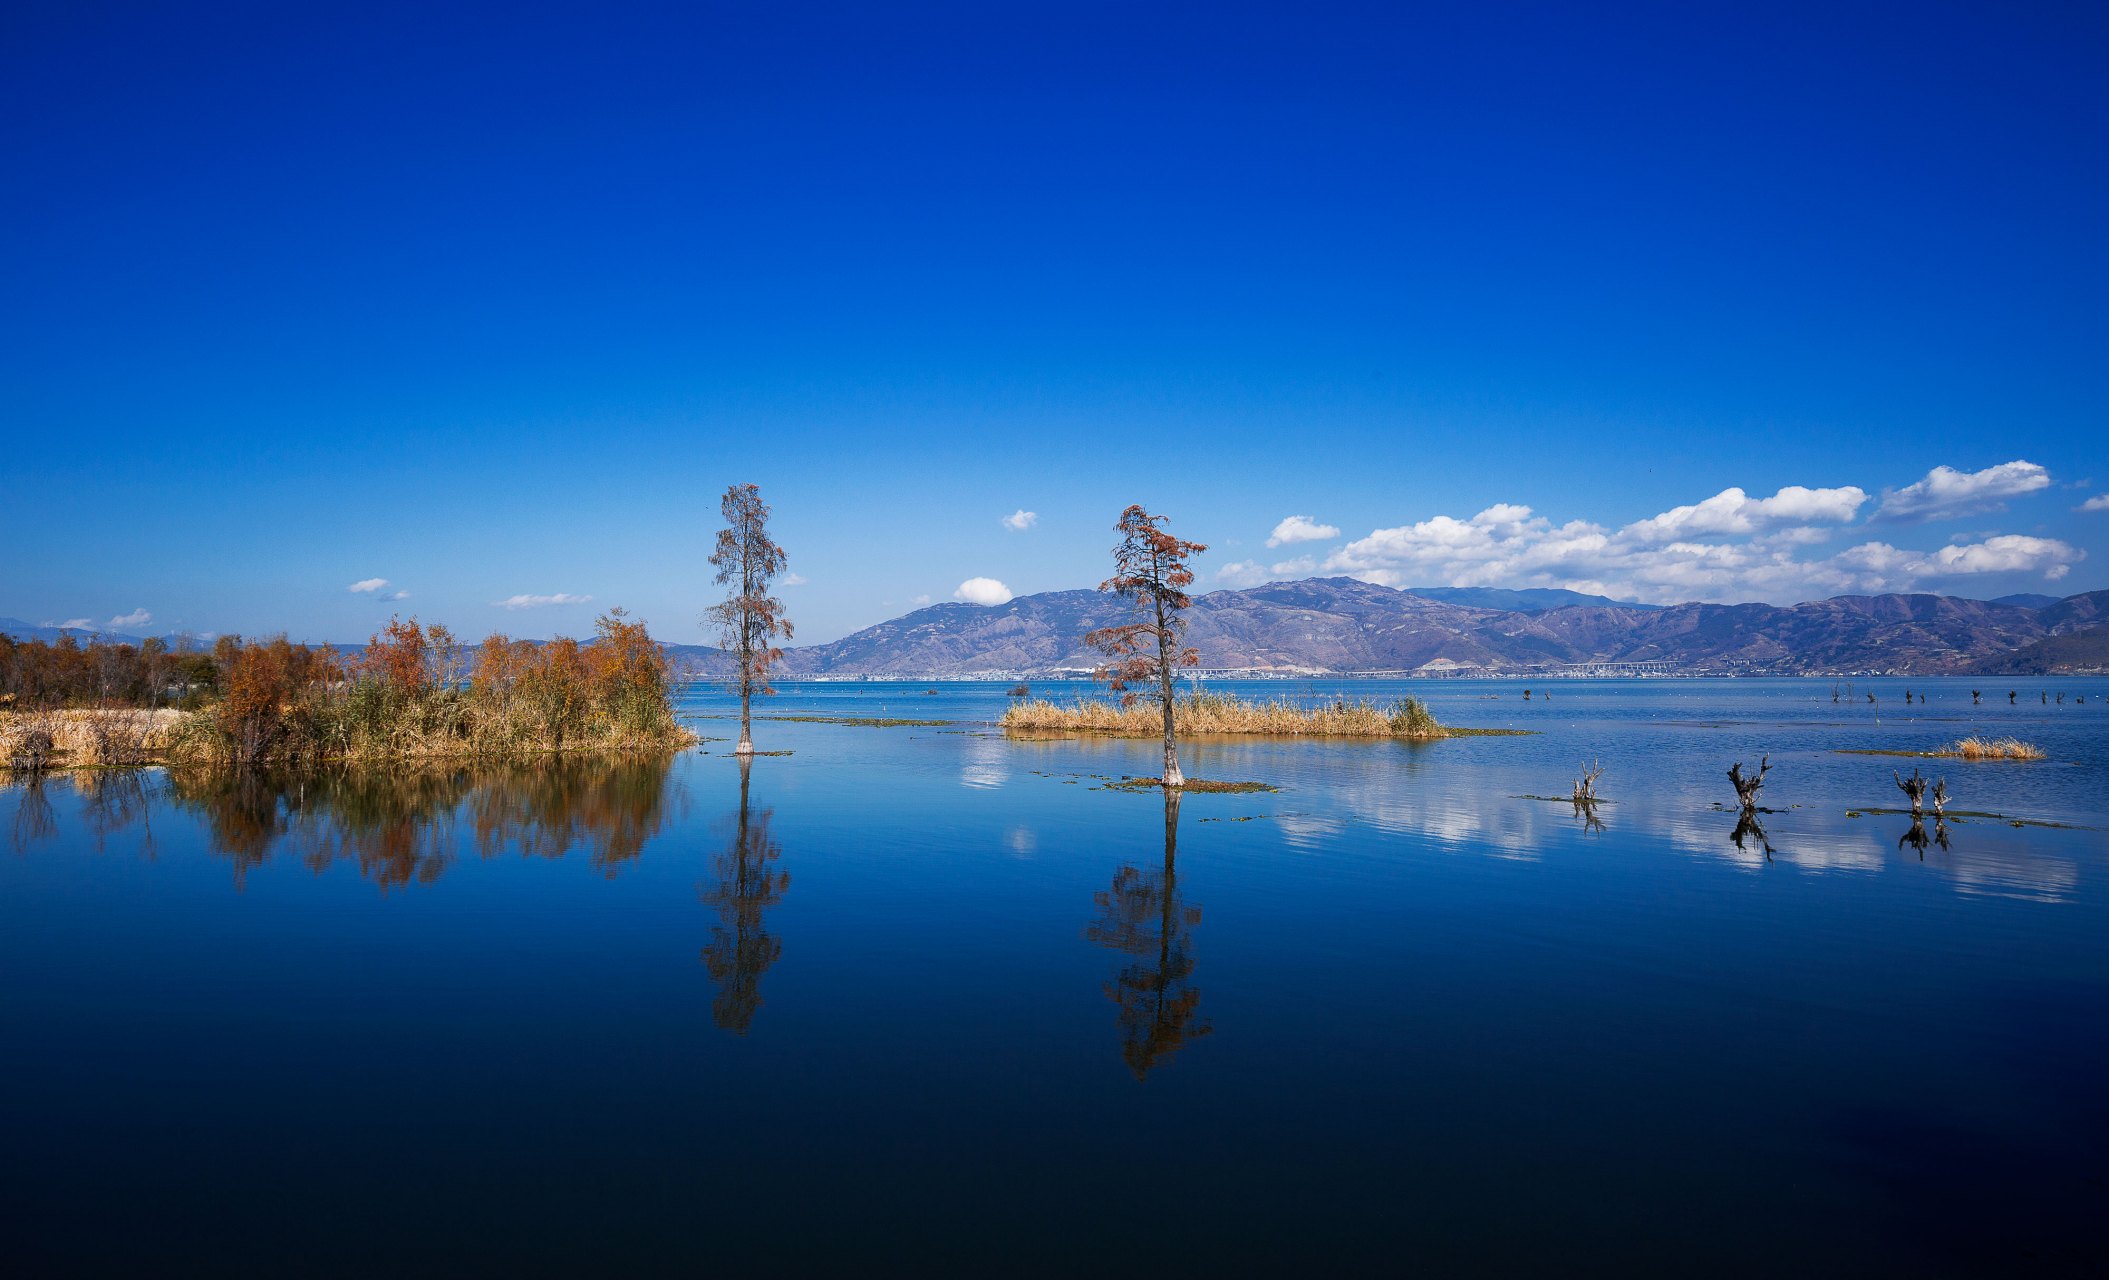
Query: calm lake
[924, 994]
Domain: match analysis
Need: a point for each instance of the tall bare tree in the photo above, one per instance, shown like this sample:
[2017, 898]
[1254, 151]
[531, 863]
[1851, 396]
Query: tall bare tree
[1149, 568]
[750, 620]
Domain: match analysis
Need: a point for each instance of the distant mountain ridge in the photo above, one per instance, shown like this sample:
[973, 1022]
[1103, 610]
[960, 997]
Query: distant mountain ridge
[1344, 624]
[1528, 600]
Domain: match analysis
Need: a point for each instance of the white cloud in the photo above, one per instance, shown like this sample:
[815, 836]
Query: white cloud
[1735, 512]
[793, 580]
[2006, 553]
[1251, 573]
[368, 586]
[1300, 529]
[1947, 492]
[136, 618]
[2099, 502]
[982, 591]
[539, 602]
[76, 624]
[1720, 549]
[920, 600]
[1020, 520]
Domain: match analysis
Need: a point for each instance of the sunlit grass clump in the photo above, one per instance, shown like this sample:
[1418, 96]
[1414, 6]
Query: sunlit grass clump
[1227, 713]
[82, 737]
[1994, 749]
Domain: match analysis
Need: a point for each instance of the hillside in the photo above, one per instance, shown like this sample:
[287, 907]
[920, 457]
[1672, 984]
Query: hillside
[1342, 624]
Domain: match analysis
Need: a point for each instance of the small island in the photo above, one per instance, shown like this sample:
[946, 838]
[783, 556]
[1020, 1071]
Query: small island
[1226, 713]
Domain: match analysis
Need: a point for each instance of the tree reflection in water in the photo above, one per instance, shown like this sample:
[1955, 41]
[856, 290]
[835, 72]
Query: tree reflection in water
[1916, 838]
[34, 821]
[115, 800]
[1750, 834]
[741, 949]
[406, 824]
[1142, 915]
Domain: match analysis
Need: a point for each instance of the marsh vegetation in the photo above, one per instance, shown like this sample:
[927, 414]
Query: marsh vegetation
[414, 692]
[1972, 748]
[1206, 713]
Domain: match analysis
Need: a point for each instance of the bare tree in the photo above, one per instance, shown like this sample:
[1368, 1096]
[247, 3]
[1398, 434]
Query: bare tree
[1149, 568]
[1748, 785]
[1914, 788]
[750, 620]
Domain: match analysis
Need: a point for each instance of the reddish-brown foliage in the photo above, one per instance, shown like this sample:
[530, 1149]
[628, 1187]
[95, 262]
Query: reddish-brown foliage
[1150, 569]
[750, 619]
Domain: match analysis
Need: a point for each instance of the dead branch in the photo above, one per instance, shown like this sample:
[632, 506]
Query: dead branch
[1747, 787]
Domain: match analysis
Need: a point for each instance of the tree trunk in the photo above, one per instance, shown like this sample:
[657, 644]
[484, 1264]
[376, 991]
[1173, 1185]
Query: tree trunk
[746, 657]
[746, 747]
[1172, 776]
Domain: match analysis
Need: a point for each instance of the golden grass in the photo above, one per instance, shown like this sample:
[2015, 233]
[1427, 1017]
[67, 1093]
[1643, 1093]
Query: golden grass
[1963, 749]
[87, 739]
[1227, 713]
[93, 739]
[1994, 749]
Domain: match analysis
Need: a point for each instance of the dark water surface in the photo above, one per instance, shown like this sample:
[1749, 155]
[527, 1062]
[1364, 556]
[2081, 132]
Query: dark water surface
[923, 994]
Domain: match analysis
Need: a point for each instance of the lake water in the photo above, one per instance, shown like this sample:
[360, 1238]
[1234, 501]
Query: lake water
[924, 994]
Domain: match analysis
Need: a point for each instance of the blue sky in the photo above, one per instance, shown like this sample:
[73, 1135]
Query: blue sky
[493, 304]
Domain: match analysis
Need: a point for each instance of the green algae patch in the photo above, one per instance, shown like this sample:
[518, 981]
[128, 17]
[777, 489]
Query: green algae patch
[1956, 815]
[1202, 785]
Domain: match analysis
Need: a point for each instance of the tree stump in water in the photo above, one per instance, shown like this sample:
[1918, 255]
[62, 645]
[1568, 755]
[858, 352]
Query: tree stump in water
[1747, 786]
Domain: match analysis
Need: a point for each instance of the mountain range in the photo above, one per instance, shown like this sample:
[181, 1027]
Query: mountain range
[1344, 624]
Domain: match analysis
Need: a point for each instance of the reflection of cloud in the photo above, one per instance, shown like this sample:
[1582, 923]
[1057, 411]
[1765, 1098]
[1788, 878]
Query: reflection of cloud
[1309, 830]
[987, 762]
[1023, 841]
[2001, 874]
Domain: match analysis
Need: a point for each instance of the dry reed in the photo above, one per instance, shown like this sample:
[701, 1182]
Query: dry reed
[1994, 749]
[1208, 713]
[93, 738]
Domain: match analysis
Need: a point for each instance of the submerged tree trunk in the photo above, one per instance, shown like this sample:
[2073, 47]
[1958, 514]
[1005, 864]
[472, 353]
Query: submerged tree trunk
[746, 747]
[1172, 777]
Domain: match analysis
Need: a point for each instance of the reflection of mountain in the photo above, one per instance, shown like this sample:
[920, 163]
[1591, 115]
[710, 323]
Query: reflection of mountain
[1340, 624]
[406, 825]
[741, 948]
[1142, 915]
